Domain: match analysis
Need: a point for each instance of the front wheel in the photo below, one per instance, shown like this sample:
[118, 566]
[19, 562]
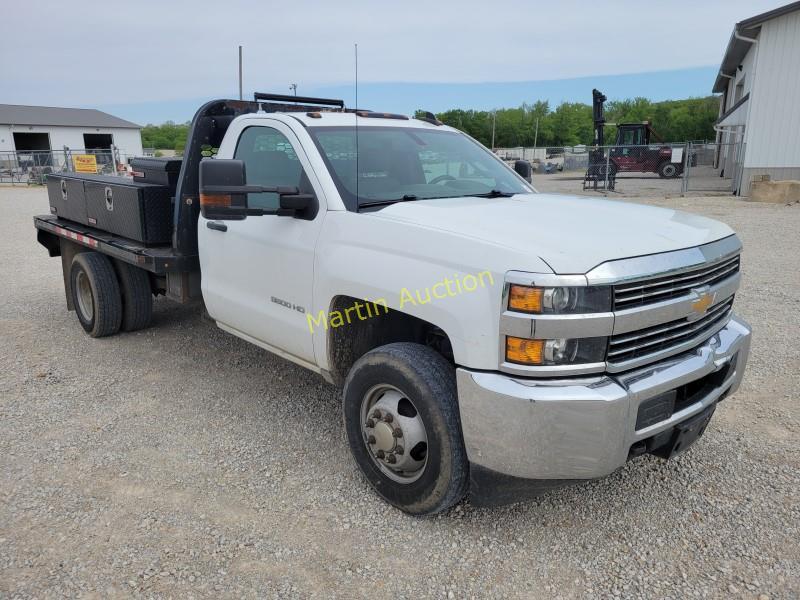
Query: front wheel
[668, 170]
[403, 427]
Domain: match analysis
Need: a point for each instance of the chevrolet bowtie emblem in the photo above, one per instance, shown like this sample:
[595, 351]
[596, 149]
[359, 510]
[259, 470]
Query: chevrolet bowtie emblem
[704, 300]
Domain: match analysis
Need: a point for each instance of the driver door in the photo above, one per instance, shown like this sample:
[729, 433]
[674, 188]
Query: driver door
[257, 273]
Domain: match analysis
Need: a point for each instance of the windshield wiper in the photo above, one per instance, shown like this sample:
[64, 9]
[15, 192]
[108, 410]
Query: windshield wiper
[405, 198]
[493, 194]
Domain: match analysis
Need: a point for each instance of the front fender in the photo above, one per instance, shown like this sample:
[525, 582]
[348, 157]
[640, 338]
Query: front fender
[451, 281]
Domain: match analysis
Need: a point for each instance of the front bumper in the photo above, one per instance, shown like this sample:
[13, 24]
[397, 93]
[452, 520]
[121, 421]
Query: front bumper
[558, 431]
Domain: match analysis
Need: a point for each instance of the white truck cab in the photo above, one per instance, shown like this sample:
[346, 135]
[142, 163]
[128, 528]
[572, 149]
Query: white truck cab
[489, 339]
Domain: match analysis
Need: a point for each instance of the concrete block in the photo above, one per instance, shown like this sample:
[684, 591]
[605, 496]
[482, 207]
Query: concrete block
[775, 192]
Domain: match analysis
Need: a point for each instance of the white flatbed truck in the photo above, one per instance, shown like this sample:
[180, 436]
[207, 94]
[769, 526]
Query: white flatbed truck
[489, 340]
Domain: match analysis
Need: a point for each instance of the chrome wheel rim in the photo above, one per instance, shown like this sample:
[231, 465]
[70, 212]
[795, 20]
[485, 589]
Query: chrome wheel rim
[394, 433]
[85, 302]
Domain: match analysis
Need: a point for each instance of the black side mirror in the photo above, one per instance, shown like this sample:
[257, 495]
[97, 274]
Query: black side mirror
[223, 193]
[524, 170]
[217, 174]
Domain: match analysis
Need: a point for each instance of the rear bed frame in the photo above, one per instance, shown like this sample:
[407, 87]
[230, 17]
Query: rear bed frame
[176, 275]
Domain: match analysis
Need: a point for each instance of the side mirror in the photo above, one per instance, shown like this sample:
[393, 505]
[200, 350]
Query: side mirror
[524, 170]
[223, 193]
[216, 175]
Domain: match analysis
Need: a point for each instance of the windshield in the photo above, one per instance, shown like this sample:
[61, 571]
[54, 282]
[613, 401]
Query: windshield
[405, 163]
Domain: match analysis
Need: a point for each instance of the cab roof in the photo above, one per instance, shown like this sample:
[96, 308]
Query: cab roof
[364, 119]
[330, 112]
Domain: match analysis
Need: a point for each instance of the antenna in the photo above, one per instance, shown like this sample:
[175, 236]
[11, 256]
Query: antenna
[355, 114]
[240, 73]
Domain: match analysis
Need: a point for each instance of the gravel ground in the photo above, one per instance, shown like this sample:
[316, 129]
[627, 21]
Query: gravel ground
[182, 462]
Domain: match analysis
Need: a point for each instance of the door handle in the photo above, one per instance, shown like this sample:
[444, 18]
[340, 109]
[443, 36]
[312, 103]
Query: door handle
[216, 225]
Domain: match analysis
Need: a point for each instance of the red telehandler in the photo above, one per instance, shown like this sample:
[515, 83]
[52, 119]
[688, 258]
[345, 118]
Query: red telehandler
[638, 148]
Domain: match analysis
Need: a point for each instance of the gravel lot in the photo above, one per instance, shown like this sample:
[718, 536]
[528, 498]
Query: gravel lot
[180, 461]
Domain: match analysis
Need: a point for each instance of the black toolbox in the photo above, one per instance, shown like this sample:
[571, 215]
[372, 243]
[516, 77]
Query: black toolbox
[161, 171]
[135, 210]
[118, 205]
[67, 200]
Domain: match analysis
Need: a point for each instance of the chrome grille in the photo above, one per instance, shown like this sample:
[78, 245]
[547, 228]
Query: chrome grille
[641, 343]
[632, 295]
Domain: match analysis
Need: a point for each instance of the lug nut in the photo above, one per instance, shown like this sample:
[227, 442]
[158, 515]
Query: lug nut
[371, 439]
[398, 433]
[388, 418]
[376, 414]
[399, 450]
[370, 423]
[391, 459]
[380, 454]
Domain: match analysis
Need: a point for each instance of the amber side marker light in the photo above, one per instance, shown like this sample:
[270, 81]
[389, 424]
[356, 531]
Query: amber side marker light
[215, 200]
[524, 298]
[524, 351]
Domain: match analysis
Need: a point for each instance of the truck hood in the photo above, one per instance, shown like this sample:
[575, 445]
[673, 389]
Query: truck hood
[572, 234]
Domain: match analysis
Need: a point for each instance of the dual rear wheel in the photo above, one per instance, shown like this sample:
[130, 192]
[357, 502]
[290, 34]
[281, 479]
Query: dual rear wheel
[109, 296]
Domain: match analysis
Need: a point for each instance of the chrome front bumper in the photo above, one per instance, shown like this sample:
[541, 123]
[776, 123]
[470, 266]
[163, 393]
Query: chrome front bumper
[584, 427]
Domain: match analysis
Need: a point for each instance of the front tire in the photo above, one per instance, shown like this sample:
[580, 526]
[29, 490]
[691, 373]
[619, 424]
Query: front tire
[95, 294]
[403, 427]
[668, 170]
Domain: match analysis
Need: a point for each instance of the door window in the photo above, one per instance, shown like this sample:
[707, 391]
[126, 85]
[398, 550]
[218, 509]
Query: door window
[269, 160]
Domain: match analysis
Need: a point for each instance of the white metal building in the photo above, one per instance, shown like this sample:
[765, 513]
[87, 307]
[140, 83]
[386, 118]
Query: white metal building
[43, 128]
[759, 80]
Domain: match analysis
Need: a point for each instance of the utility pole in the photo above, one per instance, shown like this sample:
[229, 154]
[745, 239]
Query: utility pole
[536, 133]
[240, 73]
[293, 87]
[494, 123]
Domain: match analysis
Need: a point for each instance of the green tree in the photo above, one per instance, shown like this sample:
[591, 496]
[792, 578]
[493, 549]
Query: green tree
[571, 122]
[165, 136]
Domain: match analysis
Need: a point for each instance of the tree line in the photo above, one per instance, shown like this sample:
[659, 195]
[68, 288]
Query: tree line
[167, 136]
[569, 124]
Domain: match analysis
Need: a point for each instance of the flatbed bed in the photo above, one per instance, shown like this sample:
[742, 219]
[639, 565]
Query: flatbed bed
[175, 275]
[159, 260]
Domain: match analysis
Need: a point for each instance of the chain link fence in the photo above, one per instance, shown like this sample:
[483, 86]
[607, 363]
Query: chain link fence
[32, 167]
[637, 171]
[715, 168]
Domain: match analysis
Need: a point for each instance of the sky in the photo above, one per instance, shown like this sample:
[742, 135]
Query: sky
[151, 61]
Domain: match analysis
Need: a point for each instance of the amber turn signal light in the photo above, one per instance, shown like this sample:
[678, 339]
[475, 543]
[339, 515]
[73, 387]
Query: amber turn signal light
[524, 351]
[215, 200]
[524, 298]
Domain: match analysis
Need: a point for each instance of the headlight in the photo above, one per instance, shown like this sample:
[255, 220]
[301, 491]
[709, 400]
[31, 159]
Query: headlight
[563, 351]
[559, 300]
